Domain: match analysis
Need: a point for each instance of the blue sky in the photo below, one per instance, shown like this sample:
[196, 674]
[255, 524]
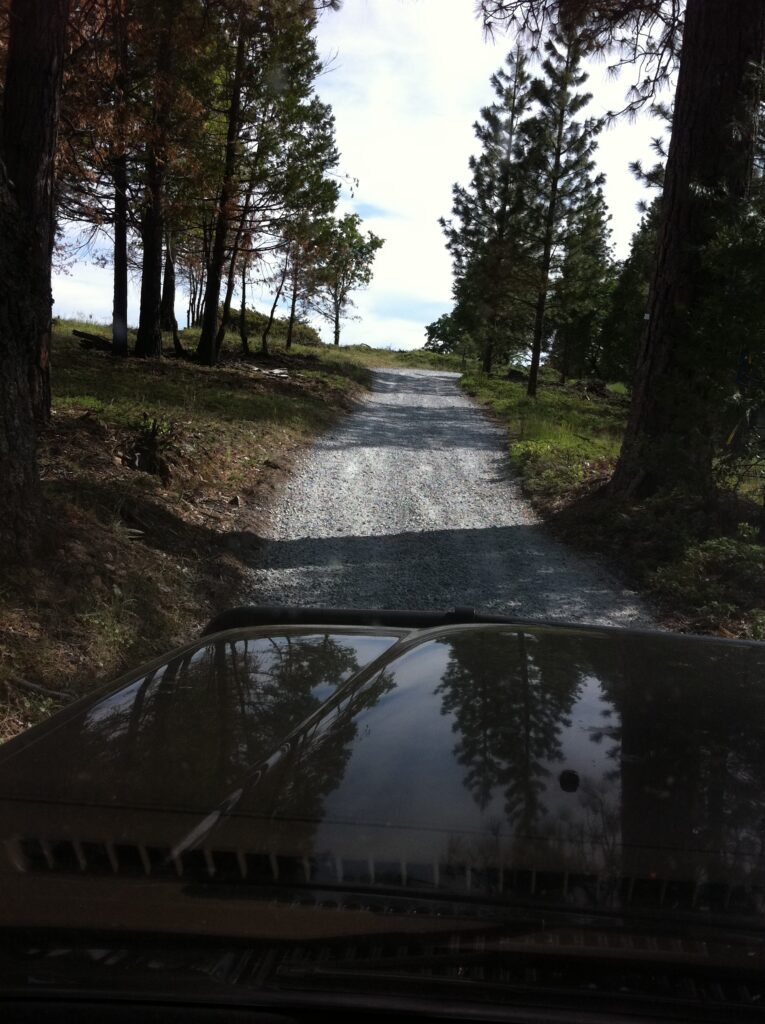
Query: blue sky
[406, 80]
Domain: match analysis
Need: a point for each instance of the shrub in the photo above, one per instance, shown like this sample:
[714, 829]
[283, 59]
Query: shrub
[716, 580]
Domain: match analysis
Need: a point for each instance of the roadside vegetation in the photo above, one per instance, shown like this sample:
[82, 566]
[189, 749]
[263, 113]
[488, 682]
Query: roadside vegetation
[704, 574]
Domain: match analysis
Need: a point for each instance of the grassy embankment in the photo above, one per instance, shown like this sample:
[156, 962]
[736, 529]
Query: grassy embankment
[564, 446]
[156, 477]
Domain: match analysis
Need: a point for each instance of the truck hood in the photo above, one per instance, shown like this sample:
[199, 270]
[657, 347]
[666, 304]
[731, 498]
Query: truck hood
[512, 766]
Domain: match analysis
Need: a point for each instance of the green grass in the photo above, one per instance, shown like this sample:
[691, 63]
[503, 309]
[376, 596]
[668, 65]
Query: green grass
[560, 441]
[703, 576]
[120, 392]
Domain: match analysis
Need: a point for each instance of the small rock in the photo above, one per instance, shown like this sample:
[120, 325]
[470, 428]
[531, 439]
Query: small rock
[236, 501]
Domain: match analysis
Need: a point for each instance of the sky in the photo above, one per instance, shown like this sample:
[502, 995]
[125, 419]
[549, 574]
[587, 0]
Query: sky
[406, 80]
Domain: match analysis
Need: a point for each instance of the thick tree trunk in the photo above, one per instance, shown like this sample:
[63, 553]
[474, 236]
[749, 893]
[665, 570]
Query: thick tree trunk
[488, 356]
[337, 329]
[120, 178]
[29, 122]
[668, 440]
[29, 125]
[20, 499]
[207, 348]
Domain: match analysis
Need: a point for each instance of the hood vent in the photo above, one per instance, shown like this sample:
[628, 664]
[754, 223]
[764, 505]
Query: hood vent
[242, 867]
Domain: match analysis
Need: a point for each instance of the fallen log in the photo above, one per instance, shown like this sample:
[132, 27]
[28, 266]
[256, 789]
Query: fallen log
[91, 341]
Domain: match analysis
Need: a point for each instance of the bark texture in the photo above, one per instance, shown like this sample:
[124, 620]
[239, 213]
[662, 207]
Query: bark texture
[31, 99]
[20, 499]
[27, 148]
[669, 432]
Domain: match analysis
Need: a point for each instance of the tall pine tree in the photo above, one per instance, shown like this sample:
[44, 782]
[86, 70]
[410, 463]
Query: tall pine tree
[581, 296]
[558, 172]
[480, 233]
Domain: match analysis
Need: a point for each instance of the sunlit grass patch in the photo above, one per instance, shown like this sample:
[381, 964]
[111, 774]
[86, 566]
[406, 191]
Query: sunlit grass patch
[560, 441]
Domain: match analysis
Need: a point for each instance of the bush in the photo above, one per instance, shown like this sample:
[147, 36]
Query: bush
[302, 333]
[718, 580]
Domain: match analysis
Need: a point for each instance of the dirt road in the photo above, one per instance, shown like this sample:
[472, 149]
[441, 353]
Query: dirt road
[410, 502]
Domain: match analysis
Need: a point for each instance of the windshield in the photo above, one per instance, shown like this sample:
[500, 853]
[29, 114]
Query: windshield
[415, 348]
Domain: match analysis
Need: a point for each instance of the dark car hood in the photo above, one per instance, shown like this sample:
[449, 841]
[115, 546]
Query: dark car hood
[596, 769]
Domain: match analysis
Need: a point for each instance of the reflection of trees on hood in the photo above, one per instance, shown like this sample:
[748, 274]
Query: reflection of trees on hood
[211, 714]
[509, 703]
[689, 735]
[315, 766]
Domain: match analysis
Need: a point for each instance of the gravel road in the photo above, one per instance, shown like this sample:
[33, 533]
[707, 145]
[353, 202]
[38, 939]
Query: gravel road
[410, 503]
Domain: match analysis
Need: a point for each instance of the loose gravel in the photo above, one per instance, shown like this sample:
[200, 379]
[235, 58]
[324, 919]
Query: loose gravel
[411, 503]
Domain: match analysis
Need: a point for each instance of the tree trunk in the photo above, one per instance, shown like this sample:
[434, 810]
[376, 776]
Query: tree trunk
[293, 302]
[668, 440]
[547, 247]
[337, 310]
[206, 349]
[243, 312]
[272, 314]
[167, 302]
[120, 179]
[149, 340]
[29, 121]
[167, 318]
[488, 356]
[231, 278]
[226, 310]
[29, 126]
[536, 345]
[20, 498]
[120, 295]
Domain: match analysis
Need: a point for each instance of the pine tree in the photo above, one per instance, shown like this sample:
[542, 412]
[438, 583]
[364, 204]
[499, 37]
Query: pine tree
[480, 236]
[558, 172]
[581, 296]
[625, 323]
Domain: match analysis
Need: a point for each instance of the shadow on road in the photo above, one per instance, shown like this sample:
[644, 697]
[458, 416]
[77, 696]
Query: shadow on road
[495, 568]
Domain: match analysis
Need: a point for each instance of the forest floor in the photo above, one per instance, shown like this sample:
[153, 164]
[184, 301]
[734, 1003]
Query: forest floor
[701, 576]
[148, 468]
